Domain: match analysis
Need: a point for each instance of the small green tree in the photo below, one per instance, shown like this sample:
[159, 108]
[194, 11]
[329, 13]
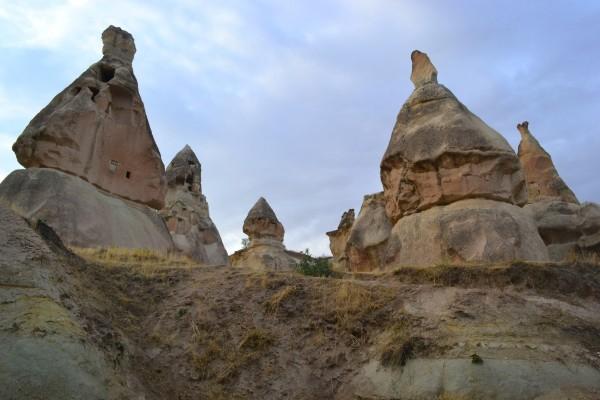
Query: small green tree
[312, 266]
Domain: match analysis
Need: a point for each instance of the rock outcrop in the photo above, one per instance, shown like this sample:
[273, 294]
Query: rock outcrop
[338, 239]
[97, 129]
[186, 212]
[80, 214]
[47, 352]
[440, 152]
[265, 247]
[543, 181]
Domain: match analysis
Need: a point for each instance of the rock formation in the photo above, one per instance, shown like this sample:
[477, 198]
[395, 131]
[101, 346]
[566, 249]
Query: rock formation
[543, 181]
[452, 190]
[338, 239]
[97, 129]
[265, 248]
[186, 212]
[80, 214]
[367, 247]
[440, 152]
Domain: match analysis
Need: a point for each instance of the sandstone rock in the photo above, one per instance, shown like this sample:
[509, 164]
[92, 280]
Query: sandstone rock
[472, 230]
[567, 228]
[265, 248]
[367, 242]
[186, 212]
[262, 222]
[46, 353]
[97, 129]
[543, 181]
[338, 239]
[440, 152]
[82, 215]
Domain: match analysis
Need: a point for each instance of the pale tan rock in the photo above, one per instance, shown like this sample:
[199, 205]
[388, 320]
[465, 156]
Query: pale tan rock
[186, 212]
[467, 231]
[265, 248]
[338, 239]
[568, 229]
[440, 152]
[82, 215]
[366, 247]
[543, 181]
[97, 129]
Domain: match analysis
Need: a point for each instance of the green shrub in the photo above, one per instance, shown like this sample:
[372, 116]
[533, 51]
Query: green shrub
[313, 266]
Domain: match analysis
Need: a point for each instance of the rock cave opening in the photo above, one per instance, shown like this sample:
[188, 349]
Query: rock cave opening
[106, 72]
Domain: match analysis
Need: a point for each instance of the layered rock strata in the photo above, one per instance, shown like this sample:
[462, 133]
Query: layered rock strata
[186, 212]
[338, 239]
[265, 247]
[97, 129]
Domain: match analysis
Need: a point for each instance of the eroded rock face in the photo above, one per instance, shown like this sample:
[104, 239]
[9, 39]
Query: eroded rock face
[82, 215]
[567, 228]
[186, 212]
[339, 237]
[97, 129]
[543, 181]
[367, 248]
[472, 230]
[265, 248]
[440, 152]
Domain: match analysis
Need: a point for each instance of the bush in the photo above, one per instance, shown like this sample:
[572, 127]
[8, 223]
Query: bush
[312, 266]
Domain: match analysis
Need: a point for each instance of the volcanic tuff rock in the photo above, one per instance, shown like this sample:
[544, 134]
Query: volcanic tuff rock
[440, 152]
[82, 215]
[265, 248]
[97, 129]
[543, 181]
[186, 212]
[339, 237]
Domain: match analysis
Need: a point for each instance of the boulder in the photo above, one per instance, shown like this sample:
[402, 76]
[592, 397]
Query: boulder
[97, 129]
[568, 229]
[543, 181]
[82, 215]
[186, 212]
[366, 247]
[467, 231]
[440, 152]
[265, 247]
[338, 239]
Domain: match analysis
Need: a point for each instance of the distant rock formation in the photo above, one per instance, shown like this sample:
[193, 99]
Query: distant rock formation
[452, 189]
[543, 181]
[338, 239]
[440, 152]
[265, 248]
[186, 212]
[80, 214]
[97, 129]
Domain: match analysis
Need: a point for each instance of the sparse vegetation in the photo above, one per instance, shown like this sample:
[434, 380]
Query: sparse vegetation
[256, 339]
[399, 345]
[313, 266]
[476, 359]
[272, 305]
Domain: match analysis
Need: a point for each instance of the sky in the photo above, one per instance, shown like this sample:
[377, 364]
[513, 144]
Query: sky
[296, 100]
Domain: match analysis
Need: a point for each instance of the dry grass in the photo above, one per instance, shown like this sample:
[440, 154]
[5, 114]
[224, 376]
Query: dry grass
[584, 257]
[145, 261]
[399, 345]
[272, 305]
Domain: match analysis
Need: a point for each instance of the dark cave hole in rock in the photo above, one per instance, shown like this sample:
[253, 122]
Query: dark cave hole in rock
[95, 91]
[106, 72]
[128, 174]
[75, 91]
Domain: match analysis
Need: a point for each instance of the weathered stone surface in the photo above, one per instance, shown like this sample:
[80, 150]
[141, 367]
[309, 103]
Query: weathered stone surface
[338, 239]
[186, 212]
[567, 228]
[472, 230]
[543, 181]
[46, 353]
[262, 222]
[97, 129]
[82, 215]
[265, 248]
[440, 152]
[367, 242]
